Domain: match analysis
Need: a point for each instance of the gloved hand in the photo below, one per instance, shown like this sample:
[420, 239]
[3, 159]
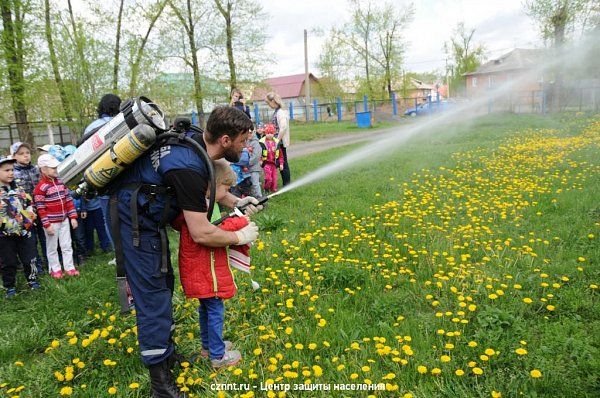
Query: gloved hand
[247, 234]
[250, 203]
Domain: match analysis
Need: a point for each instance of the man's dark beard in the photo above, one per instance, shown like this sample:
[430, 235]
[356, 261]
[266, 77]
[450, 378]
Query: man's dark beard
[232, 156]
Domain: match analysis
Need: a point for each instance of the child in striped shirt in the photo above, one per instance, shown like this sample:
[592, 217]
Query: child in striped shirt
[56, 210]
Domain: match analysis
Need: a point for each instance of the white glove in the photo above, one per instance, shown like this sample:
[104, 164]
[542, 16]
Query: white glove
[247, 234]
[250, 203]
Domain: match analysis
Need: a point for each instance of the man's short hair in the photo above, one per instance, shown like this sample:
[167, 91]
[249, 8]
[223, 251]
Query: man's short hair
[226, 120]
[109, 104]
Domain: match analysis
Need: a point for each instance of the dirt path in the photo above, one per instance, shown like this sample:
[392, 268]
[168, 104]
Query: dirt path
[303, 148]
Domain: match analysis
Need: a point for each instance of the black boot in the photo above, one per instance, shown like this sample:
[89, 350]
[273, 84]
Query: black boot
[162, 382]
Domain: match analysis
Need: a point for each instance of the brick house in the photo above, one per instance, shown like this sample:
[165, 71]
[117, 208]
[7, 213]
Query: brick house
[508, 67]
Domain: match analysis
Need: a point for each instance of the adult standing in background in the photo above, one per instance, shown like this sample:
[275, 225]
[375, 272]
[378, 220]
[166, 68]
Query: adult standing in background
[238, 101]
[281, 120]
[109, 107]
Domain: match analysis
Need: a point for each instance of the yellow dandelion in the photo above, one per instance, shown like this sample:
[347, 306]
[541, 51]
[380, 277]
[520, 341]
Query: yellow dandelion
[317, 370]
[536, 374]
[521, 351]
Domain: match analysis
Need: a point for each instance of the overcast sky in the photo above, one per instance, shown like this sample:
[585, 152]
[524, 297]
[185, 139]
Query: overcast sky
[499, 25]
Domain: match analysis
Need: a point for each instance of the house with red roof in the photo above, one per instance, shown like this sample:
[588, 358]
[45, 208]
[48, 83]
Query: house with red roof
[291, 89]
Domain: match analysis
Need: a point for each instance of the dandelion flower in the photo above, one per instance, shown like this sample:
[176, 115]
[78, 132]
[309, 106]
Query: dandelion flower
[521, 351]
[535, 374]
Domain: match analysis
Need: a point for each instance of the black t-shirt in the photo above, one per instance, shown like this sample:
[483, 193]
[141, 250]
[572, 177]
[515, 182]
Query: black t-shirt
[190, 189]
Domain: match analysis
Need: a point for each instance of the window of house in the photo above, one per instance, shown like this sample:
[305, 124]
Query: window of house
[474, 82]
[491, 80]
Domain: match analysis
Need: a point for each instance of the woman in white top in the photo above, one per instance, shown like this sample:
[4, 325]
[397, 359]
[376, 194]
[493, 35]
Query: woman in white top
[281, 120]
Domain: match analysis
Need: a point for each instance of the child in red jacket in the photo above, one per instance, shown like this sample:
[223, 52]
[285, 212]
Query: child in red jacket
[205, 274]
[56, 210]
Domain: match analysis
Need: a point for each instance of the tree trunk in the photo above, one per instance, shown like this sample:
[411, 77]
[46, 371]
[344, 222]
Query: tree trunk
[12, 41]
[559, 22]
[79, 47]
[195, 67]
[228, 41]
[115, 84]
[135, 66]
[53, 60]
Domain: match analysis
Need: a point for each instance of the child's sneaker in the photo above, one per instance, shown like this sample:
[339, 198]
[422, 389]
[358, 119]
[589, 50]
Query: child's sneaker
[228, 347]
[72, 272]
[34, 285]
[10, 293]
[56, 274]
[230, 358]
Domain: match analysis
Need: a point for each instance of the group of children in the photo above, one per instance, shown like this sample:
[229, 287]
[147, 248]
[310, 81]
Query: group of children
[36, 206]
[262, 154]
[36, 196]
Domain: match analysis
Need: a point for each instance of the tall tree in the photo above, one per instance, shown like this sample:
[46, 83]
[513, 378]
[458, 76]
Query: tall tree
[389, 26]
[373, 36]
[465, 55]
[224, 8]
[557, 17]
[154, 14]
[239, 39]
[358, 35]
[54, 61]
[188, 22]
[115, 83]
[78, 41]
[13, 16]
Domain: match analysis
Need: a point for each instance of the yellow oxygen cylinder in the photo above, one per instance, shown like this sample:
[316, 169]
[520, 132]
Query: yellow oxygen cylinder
[124, 152]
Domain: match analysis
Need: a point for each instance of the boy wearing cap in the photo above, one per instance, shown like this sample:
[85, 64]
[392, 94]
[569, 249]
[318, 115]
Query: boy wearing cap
[55, 208]
[27, 176]
[16, 219]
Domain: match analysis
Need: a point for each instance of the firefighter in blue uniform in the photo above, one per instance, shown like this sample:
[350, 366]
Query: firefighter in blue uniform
[163, 182]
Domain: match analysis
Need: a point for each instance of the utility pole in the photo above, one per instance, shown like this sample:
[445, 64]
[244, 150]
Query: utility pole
[306, 75]
[447, 81]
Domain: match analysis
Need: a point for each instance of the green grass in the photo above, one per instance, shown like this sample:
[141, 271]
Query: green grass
[378, 251]
[301, 131]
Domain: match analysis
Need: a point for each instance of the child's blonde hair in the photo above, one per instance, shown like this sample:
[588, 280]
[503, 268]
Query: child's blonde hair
[224, 174]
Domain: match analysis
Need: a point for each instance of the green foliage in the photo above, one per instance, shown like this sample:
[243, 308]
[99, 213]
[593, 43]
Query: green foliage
[465, 56]
[269, 222]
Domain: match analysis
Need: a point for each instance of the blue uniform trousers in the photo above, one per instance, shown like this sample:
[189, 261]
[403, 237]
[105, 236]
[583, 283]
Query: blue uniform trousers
[152, 292]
